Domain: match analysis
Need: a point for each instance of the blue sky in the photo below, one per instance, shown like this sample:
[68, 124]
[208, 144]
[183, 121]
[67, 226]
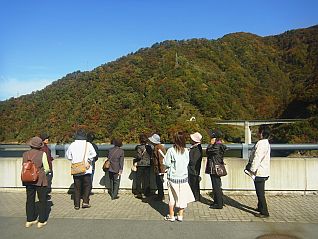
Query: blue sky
[43, 40]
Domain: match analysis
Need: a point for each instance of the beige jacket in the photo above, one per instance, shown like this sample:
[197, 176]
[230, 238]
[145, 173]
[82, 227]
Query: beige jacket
[261, 160]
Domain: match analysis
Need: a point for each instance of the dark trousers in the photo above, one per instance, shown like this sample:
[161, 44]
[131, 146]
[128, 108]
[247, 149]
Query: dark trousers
[159, 183]
[114, 184]
[217, 190]
[194, 182]
[82, 188]
[30, 203]
[143, 180]
[260, 192]
[49, 181]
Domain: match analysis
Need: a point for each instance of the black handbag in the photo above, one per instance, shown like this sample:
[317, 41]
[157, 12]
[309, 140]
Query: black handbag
[218, 169]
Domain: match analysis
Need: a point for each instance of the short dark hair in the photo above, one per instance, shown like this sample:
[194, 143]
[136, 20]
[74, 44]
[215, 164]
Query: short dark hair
[264, 131]
[44, 136]
[143, 138]
[117, 142]
[90, 137]
[216, 134]
[80, 134]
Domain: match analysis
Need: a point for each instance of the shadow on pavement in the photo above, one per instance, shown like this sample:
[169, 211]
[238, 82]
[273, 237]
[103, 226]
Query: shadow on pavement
[70, 191]
[159, 206]
[233, 203]
[230, 202]
[205, 200]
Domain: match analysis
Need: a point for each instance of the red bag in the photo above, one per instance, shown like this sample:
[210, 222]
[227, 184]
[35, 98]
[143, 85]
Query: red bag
[29, 173]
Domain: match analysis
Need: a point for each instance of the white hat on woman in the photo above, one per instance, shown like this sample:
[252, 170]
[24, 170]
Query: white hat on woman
[154, 139]
[196, 137]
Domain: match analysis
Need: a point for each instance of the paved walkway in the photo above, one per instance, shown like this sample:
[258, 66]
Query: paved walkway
[238, 208]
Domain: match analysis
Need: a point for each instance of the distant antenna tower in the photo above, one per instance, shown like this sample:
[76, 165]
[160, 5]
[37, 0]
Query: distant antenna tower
[177, 62]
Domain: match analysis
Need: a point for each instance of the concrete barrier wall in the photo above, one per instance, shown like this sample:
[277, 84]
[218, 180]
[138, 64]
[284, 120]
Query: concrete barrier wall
[286, 174]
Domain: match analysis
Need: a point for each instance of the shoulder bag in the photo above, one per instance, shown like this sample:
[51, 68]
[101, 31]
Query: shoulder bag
[218, 169]
[79, 168]
[106, 164]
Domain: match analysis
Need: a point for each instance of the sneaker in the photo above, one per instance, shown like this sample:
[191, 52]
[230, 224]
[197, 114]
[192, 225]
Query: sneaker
[41, 224]
[169, 218]
[179, 218]
[86, 205]
[76, 208]
[29, 224]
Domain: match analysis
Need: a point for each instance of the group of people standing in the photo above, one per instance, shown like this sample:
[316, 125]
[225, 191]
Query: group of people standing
[181, 165]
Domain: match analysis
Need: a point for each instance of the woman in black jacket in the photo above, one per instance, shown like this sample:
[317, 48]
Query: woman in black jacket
[215, 152]
[195, 156]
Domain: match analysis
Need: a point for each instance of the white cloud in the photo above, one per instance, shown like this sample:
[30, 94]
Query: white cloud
[15, 88]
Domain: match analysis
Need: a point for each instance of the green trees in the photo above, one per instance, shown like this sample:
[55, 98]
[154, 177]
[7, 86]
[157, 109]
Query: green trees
[159, 89]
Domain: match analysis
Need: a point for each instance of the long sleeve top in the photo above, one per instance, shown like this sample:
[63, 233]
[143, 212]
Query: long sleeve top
[47, 150]
[158, 159]
[75, 153]
[261, 160]
[116, 158]
[195, 159]
[177, 164]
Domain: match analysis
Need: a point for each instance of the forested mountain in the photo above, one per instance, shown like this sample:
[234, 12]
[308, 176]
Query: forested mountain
[160, 88]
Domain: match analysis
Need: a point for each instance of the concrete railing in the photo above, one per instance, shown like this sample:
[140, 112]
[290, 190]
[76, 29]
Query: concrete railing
[287, 174]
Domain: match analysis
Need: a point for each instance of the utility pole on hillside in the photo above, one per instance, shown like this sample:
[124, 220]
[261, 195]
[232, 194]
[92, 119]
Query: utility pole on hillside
[176, 62]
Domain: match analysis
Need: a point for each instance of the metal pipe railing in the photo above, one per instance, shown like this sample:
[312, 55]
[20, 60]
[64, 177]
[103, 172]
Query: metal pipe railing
[132, 146]
[9, 149]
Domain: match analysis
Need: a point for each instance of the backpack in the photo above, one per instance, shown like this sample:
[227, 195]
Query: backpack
[29, 173]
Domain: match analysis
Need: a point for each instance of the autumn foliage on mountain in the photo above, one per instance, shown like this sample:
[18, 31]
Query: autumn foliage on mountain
[240, 76]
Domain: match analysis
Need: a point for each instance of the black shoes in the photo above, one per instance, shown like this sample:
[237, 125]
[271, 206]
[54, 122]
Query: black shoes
[114, 198]
[261, 215]
[159, 198]
[140, 196]
[215, 206]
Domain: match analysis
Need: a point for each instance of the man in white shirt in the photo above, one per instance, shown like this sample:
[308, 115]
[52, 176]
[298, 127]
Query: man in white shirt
[78, 151]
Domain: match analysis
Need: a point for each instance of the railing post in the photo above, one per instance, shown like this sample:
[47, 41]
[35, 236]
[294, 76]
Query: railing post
[53, 150]
[245, 151]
